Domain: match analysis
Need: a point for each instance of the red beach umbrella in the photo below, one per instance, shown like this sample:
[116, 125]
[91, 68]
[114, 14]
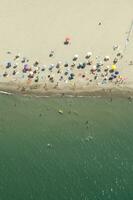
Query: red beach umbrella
[67, 40]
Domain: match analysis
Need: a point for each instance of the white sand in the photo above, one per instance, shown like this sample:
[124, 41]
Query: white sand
[33, 28]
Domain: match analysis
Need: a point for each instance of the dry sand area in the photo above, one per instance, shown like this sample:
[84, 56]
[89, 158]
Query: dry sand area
[34, 27]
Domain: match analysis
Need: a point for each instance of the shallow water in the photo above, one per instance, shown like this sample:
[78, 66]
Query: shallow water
[84, 154]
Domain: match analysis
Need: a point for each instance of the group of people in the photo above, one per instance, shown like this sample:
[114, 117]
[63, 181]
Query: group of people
[91, 70]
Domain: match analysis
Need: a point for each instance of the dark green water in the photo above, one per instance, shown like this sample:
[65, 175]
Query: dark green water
[90, 156]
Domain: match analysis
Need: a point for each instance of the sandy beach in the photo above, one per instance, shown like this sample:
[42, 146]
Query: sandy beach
[66, 47]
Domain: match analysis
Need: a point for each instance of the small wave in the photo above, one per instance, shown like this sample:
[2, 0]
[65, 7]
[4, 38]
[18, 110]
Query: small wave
[7, 93]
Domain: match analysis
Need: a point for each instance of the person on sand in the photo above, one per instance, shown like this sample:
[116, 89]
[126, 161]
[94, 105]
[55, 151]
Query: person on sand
[100, 23]
[36, 63]
[89, 62]
[115, 60]
[5, 74]
[9, 52]
[59, 71]
[131, 62]
[17, 56]
[51, 79]
[73, 64]
[14, 72]
[23, 60]
[58, 64]
[15, 66]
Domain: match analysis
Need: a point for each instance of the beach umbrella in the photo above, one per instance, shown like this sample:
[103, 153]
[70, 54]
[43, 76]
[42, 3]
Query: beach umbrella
[68, 70]
[23, 60]
[99, 64]
[36, 79]
[31, 73]
[94, 68]
[124, 78]
[106, 58]
[26, 68]
[116, 72]
[43, 67]
[115, 60]
[113, 67]
[79, 66]
[75, 57]
[14, 72]
[89, 62]
[66, 73]
[9, 64]
[66, 64]
[83, 65]
[70, 78]
[110, 78]
[37, 68]
[15, 65]
[115, 47]
[106, 68]
[5, 74]
[88, 55]
[52, 52]
[72, 74]
[51, 66]
[59, 63]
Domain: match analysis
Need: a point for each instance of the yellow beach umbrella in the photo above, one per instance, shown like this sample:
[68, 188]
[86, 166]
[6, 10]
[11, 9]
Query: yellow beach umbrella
[114, 67]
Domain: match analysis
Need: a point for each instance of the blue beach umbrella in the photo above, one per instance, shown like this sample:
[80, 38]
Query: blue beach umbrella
[116, 72]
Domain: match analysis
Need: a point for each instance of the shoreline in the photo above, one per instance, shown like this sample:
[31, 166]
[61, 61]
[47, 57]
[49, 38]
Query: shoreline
[15, 89]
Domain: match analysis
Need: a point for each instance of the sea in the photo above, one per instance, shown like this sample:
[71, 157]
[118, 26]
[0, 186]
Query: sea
[66, 148]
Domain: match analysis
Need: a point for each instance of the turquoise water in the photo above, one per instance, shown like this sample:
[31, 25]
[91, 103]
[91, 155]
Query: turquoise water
[84, 154]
